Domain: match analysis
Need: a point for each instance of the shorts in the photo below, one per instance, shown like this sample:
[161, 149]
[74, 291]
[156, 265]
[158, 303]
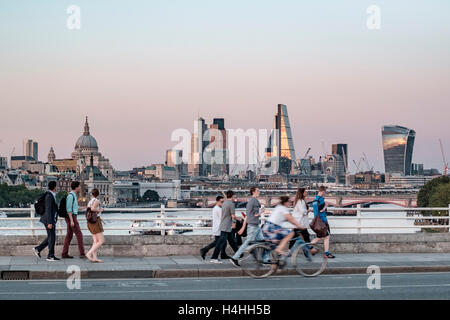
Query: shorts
[273, 232]
[96, 227]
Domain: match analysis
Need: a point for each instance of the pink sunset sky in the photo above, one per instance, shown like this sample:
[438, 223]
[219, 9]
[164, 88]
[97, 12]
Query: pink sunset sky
[139, 72]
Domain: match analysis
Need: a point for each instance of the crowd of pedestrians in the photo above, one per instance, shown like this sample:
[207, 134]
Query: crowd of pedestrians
[288, 220]
[68, 209]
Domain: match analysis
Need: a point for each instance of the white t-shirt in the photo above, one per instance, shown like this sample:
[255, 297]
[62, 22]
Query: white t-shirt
[277, 215]
[91, 204]
[301, 213]
[216, 218]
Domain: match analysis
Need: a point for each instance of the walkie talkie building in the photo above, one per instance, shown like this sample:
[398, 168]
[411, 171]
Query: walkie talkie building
[398, 144]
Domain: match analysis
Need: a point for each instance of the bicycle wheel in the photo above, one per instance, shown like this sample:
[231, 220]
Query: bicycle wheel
[307, 264]
[259, 261]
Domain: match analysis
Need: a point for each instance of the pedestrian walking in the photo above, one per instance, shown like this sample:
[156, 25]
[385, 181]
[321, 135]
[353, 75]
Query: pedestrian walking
[49, 219]
[228, 214]
[95, 228]
[216, 218]
[253, 224]
[300, 214]
[320, 209]
[72, 222]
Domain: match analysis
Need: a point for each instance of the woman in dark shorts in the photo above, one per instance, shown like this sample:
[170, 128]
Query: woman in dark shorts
[96, 228]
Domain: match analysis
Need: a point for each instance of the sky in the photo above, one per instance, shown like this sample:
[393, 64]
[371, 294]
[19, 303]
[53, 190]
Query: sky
[141, 69]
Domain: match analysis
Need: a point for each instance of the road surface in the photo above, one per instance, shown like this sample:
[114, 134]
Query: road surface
[393, 286]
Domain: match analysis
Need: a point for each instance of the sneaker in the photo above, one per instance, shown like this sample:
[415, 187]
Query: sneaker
[53, 259]
[67, 257]
[83, 256]
[202, 254]
[329, 256]
[215, 261]
[234, 262]
[36, 252]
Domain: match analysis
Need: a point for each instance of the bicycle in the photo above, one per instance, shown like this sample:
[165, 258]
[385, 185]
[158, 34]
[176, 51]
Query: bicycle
[260, 260]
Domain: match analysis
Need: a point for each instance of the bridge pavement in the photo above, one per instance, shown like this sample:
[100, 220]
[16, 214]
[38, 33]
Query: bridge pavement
[194, 266]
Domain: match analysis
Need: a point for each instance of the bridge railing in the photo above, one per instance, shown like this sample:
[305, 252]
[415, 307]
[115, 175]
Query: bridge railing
[359, 222]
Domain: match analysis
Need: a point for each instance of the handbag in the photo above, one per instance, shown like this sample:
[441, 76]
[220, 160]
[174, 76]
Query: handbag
[91, 216]
[319, 227]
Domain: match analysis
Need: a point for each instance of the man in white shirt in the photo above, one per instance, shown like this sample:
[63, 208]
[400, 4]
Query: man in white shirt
[216, 218]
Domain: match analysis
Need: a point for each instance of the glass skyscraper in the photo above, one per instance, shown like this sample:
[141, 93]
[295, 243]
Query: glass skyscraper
[398, 144]
[281, 147]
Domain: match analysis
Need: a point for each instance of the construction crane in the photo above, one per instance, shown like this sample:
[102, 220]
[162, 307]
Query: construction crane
[367, 162]
[443, 158]
[306, 153]
[357, 165]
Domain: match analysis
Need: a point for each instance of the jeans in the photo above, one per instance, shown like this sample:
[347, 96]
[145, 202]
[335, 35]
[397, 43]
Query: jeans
[222, 244]
[253, 234]
[70, 231]
[49, 241]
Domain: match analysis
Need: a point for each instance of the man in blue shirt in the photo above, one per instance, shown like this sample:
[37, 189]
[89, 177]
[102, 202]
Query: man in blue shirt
[320, 208]
[72, 222]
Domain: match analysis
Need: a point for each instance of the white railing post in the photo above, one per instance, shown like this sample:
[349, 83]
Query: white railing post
[358, 218]
[163, 221]
[32, 215]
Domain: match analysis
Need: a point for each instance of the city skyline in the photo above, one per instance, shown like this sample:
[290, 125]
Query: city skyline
[142, 72]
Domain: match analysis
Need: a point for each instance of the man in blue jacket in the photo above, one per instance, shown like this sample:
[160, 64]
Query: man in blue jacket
[49, 219]
[320, 208]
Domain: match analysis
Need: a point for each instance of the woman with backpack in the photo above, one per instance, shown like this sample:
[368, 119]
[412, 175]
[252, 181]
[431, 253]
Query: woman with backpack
[96, 228]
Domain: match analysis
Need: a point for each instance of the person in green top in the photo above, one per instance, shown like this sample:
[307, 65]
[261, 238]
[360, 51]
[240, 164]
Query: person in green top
[72, 222]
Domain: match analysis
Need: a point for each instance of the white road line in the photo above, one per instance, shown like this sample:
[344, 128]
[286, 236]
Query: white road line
[224, 290]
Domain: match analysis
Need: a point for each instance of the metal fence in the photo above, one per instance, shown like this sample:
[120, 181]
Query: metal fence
[165, 223]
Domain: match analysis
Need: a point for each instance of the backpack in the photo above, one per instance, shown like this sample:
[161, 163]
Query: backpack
[62, 210]
[39, 205]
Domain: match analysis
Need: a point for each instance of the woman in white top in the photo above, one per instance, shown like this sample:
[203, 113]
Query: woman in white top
[301, 214]
[95, 228]
[274, 231]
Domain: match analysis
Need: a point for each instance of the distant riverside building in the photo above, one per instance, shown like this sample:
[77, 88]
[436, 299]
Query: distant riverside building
[89, 166]
[3, 163]
[417, 169]
[398, 144]
[30, 149]
[161, 172]
[209, 151]
[408, 181]
[17, 162]
[196, 166]
[85, 147]
[174, 158]
[280, 151]
[341, 149]
[216, 153]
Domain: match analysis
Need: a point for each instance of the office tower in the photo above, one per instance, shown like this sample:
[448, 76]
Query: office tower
[216, 153]
[341, 149]
[30, 149]
[398, 144]
[280, 146]
[199, 140]
[3, 163]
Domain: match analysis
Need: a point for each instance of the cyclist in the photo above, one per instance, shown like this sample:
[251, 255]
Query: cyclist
[273, 230]
[320, 208]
